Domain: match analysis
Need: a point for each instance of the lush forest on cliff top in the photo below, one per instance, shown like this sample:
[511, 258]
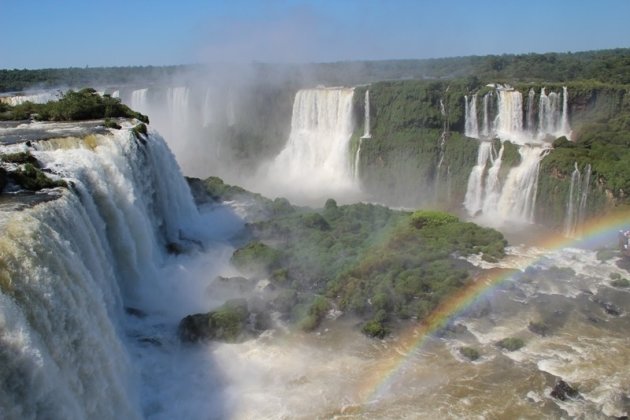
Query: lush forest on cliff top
[606, 66]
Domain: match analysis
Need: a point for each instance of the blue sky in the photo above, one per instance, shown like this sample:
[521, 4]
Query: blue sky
[62, 33]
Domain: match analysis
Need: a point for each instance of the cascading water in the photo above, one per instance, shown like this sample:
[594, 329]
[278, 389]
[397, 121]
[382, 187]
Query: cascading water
[529, 117]
[472, 126]
[577, 201]
[485, 128]
[518, 196]
[509, 120]
[474, 193]
[316, 157]
[139, 100]
[366, 128]
[514, 198]
[69, 263]
[570, 220]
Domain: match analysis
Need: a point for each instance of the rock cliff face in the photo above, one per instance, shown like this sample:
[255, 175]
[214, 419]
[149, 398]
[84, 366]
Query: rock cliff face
[418, 154]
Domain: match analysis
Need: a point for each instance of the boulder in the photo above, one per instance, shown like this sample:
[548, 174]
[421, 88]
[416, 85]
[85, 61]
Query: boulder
[227, 323]
[563, 390]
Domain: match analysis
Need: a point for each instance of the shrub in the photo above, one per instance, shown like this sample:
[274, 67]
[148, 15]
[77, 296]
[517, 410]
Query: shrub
[374, 329]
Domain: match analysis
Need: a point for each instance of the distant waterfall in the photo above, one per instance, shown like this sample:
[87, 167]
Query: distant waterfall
[472, 125]
[529, 116]
[357, 161]
[513, 198]
[366, 127]
[485, 128]
[139, 101]
[67, 265]
[509, 120]
[474, 193]
[577, 200]
[565, 129]
[316, 156]
[177, 100]
[493, 185]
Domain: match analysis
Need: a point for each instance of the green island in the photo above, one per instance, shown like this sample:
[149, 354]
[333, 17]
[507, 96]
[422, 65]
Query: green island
[380, 265]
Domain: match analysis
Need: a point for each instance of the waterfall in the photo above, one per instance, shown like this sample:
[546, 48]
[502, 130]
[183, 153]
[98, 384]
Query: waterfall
[366, 128]
[473, 201]
[316, 156]
[68, 264]
[139, 101]
[565, 129]
[509, 120]
[514, 198]
[570, 220]
[553, 118]
[472, 126]
[493, 184]
[207, 112]
[357, 161]
[485, 128]
[531, 97]
[518, 196]
[577, 200]
[177, 100]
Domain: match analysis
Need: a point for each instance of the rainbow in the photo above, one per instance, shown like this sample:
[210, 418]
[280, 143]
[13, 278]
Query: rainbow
[386, 370]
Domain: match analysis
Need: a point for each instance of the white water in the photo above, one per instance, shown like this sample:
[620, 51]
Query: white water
[512, 199]
[69, 264]
[366, 127]
[576, 201]
[36, 98]
[472, 127]
[518, 196]
[474, 193]
[316, 162]
[139, 101]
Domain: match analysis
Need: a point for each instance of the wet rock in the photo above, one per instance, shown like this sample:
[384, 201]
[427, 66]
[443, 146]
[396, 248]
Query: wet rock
[540, 328]
[562, 390]
[608, 307]
[227, 323]
[3, 179]
[138, 313]
[150, 341]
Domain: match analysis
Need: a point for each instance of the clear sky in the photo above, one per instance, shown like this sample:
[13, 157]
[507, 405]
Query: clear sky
[79, 33]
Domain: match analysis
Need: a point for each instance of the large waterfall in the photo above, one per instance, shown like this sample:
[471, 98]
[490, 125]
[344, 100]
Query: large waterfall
[511, 199]
[316, 159]
[70, 263]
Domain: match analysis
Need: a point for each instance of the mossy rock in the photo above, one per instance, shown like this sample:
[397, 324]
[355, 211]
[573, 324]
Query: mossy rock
[20, 158]
[621, 282]
[469, 353]
[511, 343]
[140, 129]
[32, 178]
[224, 324]
[112, 124]
[540, 328]
[606, 254]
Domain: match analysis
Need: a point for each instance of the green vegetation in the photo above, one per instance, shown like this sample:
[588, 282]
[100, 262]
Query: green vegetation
[256, 258]
[28, 173]
[469, 353]
[608, 66]
[85, 104]
[618, 281]
[227, 323]
[511, 343]
[376, 263]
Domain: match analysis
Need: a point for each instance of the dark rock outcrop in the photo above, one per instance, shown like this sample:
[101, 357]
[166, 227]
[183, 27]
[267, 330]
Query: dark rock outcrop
[563, 390]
